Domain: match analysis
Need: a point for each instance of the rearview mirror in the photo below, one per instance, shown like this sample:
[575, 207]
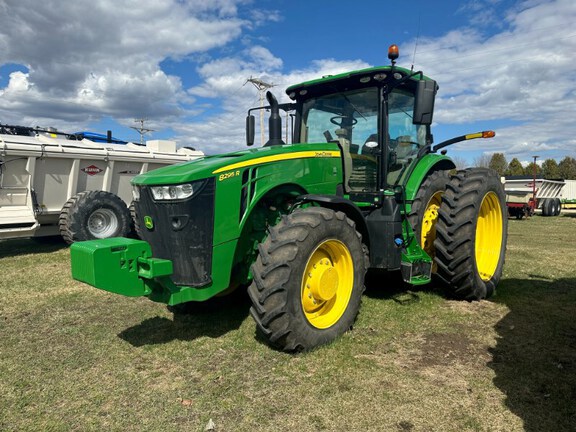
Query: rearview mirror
[250, 127]
[424, 104]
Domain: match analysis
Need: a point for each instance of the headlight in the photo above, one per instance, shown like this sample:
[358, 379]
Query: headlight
[135, 193]
[172, 192]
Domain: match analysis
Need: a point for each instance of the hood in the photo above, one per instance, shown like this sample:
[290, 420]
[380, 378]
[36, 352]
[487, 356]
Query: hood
[210, 166]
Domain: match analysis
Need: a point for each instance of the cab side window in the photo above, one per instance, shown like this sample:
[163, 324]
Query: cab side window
[406, 138]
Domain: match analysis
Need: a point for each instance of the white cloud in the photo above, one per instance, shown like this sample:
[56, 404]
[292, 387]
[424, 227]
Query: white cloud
[17, 84]
[524, 73]
[225, 80]
[92, 58]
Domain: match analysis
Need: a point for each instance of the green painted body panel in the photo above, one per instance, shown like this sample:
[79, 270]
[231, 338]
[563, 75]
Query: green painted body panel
[205, 167]
[425, 165]
[307, 175]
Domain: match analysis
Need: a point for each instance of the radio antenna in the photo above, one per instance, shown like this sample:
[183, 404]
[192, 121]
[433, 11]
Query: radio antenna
[416, 43]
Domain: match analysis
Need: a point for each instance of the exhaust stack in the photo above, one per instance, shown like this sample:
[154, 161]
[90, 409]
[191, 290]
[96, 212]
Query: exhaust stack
[274, 122]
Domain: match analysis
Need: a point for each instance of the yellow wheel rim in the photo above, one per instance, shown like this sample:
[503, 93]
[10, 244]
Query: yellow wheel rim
[488, 236]
[327, 284]
[428, 227]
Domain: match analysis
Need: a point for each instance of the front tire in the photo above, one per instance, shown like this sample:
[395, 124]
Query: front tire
[93, 215]
[471, 234]
[135, 225]
[308, 279]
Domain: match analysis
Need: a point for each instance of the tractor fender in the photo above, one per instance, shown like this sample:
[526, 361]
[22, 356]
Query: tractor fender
[428, 164]
[349, 208]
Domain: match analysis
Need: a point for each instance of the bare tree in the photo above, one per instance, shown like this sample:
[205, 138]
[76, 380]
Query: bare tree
[460, 162]
[482, 161]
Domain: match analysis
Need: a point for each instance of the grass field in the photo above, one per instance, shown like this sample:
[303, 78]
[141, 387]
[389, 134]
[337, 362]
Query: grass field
[73, 358]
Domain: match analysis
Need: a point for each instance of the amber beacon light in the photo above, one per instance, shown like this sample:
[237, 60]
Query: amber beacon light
[393, 53]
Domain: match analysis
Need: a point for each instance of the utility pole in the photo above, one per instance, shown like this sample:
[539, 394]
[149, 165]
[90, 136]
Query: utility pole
[262, 87]
[141, 130]
[534, 179]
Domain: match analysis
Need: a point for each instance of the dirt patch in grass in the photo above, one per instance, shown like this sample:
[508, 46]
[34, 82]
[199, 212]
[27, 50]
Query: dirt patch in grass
[445, 349]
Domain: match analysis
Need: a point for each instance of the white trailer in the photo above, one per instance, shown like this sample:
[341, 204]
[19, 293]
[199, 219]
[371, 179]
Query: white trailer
[51, 184]
[520, 196]
[569, 195]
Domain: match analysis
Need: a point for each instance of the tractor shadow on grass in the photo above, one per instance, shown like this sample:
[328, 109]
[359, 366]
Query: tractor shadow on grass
[534, 359]
[383, 285]
[212, 318]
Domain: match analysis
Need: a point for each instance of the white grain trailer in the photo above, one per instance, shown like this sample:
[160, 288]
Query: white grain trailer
[520, 196]
[57, 185]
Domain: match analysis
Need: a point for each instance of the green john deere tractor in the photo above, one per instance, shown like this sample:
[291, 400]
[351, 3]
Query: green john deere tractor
[361, 186]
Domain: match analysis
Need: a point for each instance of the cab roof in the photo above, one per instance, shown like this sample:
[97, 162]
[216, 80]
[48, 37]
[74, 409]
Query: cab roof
[357, 78]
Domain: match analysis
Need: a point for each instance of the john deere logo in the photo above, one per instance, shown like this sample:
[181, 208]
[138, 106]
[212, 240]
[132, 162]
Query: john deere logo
[148, 223]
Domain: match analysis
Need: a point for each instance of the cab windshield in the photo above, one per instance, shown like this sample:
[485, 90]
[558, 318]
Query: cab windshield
[351, 115]
[351, 119]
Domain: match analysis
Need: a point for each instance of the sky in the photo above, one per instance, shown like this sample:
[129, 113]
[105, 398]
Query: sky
[183, 65]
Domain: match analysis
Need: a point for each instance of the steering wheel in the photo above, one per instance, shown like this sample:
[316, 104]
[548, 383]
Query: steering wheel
[338, 120]
[405, 139]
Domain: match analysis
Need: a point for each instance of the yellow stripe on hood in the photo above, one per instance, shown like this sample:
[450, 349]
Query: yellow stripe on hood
[279, 157]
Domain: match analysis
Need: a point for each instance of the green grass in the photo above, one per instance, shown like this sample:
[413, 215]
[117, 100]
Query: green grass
[73, 358]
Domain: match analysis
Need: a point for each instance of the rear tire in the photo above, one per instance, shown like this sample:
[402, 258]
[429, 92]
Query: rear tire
[547, 207]
[424, 212]
[471, 234]
[557, 206]
[308, 279]
[93, 215]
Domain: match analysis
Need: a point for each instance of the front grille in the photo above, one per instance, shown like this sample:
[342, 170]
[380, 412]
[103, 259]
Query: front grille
[182, 231]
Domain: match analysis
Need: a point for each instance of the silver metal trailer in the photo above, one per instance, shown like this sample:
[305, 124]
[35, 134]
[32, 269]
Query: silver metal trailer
[80, 189]
[520, 194]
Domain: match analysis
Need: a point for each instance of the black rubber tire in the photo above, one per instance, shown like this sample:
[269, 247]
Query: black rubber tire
[457, 268]
[557, 206]
[553, 207]
[547, 207]
[76, 215]
[276, 289]
[135, 225]
[435, 182]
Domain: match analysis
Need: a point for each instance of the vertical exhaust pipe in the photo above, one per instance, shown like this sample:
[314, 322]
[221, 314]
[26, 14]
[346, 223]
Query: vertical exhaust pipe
[274, 122]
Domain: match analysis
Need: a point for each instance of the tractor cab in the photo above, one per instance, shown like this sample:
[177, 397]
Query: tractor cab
[372, 125]
[379, 118]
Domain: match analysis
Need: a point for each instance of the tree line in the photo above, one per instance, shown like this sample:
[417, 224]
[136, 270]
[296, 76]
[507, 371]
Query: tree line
[550, 169]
